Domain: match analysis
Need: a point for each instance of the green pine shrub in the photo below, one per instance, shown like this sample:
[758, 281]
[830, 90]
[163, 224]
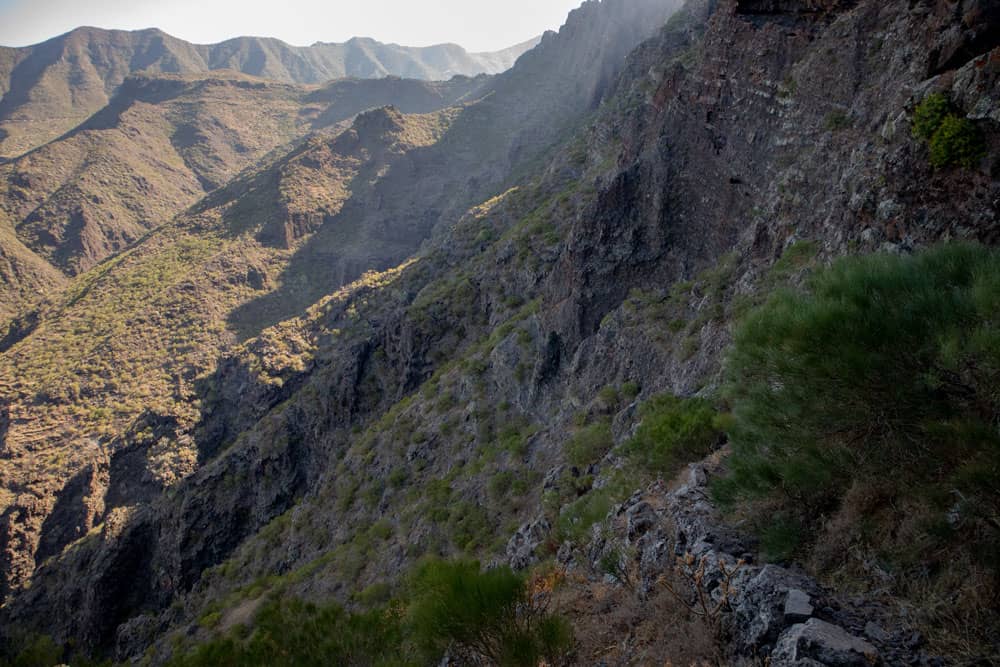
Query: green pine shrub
[952, 138]
[483, 617]
[674, 432]
[929, 115]
[956, 142]
[884, 372]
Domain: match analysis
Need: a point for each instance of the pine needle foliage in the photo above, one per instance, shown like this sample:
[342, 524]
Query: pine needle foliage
[885, 368]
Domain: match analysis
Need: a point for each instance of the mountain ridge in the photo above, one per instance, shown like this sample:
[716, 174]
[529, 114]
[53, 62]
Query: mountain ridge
[292, 257]
[162, 142]
[50, 87]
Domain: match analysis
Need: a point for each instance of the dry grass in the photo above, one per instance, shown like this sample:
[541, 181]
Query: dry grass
[878, 545]
[616, 626]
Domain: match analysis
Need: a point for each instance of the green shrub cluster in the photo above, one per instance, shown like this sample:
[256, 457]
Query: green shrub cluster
[952, 139]
[886, 368]
[589, 444]
[31, 651]
[295, 633]
[19, 649]
[674, 431]
[482, 617]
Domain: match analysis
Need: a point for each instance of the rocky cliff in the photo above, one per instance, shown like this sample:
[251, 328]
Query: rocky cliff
[589, 265]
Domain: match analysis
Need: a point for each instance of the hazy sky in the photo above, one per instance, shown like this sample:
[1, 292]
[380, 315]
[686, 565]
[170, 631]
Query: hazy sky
[478, 25]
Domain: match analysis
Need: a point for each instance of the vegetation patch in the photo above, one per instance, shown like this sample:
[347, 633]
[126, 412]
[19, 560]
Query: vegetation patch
[953, 140]
[674, 432]
[478, 617]
[879, 380]
[589, 444]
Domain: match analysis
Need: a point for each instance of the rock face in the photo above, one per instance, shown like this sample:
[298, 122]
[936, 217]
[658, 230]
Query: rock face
[523, 547]
[821, 643]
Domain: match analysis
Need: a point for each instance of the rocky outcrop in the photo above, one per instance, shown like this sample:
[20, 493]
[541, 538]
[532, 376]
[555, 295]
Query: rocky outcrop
[79, 507]
[770, 611]
[523, 547]
[817, 642]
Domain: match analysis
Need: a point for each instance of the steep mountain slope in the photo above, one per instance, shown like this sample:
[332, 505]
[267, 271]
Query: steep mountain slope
[480, 386]
[293, 230]
[50, 88]
[161, 144]
[133, 335]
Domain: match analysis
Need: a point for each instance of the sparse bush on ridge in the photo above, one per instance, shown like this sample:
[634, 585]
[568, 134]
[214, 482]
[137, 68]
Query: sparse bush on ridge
[674, 431]
[485, 617]
[589, 444]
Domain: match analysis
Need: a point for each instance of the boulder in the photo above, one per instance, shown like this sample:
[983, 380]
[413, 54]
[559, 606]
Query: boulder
[525, 542]
[761, 605]
[798, 608]
[817, 641]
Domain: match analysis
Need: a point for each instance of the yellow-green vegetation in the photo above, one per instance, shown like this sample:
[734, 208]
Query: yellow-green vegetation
[952, 138]
[493, 616]
[673, 432]
[864, 420]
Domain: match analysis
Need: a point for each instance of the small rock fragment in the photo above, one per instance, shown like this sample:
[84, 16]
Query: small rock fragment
[797, 606]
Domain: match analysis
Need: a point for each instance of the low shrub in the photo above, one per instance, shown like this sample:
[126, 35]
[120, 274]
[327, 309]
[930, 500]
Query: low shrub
[589, 444]
[952, 138]
[885, 370]
[674, 431]
[956, 142]
[483, 617]
[929, 115]
[31, 651]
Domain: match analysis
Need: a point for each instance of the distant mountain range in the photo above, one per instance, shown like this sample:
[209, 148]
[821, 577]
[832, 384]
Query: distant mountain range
[51, 87]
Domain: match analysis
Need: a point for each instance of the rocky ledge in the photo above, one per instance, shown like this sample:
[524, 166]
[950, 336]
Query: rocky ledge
[765, 611]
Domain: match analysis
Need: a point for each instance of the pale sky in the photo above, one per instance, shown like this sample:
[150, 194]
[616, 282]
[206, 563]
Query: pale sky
[478, 25]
